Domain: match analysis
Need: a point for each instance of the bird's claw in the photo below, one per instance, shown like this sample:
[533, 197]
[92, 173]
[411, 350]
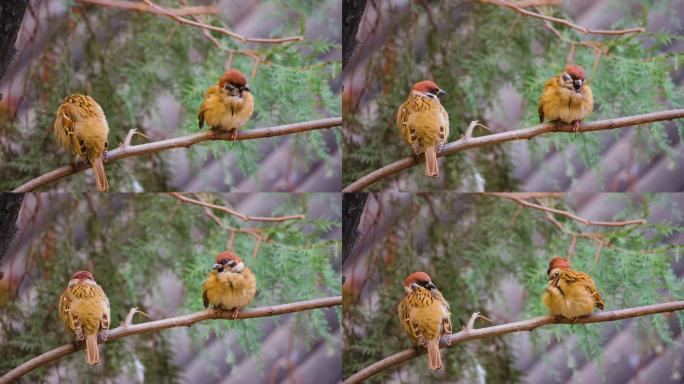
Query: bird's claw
[217, 312]
[233, 134]
[234, 315]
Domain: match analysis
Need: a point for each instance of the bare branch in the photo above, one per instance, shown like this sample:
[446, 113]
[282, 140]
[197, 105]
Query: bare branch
[567, 23]
[514, 197]
[518, 134]
[242, 216]
[224, 31]
[178, 142]
[126, 330]
[140, 7]
[519, 326]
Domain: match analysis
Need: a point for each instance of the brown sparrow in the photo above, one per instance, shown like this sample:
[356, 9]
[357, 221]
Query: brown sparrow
[228, 105]
[425, 315]
[566, 98]
[570, 293]
[81, 128]
[230, 285]
[84, 311]
[423, 123]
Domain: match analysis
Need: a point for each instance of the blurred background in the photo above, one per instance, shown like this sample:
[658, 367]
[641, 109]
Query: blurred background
[149, 72]
[492, 61]
[152, 251]
[490, 254]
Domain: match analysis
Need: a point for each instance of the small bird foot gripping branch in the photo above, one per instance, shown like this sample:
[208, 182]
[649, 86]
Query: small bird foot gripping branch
[127, 328]
[470, 333]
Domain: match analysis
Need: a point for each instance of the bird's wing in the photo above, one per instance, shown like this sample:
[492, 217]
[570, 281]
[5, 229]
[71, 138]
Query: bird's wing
[572, 276]
[211, 91]
[205, 299]
[69, 318]
[104, 321]
[444, 128]
[405, 320]
[65, 128]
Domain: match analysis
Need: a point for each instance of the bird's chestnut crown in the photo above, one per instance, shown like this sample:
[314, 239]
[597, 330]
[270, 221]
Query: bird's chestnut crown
[234, 82]
[428, 88]
[558, 262]
[575, 71]
[573, 77]
[82, 275]
[228, 260]
[419, 278]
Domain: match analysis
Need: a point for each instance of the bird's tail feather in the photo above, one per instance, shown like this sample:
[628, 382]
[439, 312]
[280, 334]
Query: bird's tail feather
[92, 354]
[434, 358]
[431, 167]
[100, 175]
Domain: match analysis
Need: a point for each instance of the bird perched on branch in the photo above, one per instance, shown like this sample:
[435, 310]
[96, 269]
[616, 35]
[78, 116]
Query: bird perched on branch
[230, 285]
[81, 128]
[425, 315]
[228, 105]
[570, 293]
[423, 123]
[566, 98]
[84, 311]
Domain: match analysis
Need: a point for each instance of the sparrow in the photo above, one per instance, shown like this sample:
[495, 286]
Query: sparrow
[425, 315]
[84, 311]
[81, 128]
[570, 293]
[230, 285]
[228, 105]
[423, 123]
[566, 98]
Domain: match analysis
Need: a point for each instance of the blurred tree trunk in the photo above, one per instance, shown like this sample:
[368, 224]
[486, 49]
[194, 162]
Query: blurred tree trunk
[10, 204]
[11, 16]
[352, 13]
[352, 209]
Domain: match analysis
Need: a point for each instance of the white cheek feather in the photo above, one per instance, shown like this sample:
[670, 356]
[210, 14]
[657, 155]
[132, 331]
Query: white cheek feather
[240, 267]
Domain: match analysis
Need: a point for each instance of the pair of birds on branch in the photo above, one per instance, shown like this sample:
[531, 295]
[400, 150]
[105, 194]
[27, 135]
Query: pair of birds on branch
[423, 122]
[425, 315]
[84, 307]
[81, 126]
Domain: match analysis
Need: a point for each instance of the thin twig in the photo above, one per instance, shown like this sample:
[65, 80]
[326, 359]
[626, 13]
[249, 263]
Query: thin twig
[512, 196]
[233, 212]
[173, 322]
[503, 329]
[178, 142]
[140, 7]
[567, 23]
[224, 31]
[503, 137]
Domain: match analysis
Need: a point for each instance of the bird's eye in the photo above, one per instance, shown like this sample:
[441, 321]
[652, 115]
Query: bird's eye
[232, 263]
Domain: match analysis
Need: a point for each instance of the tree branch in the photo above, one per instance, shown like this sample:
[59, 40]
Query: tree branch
[242, 216]
[468, 334]
[140, 7]
[224, 31]
[178, 142]
[567, 23]
[519, 134]
[522, 201]
[128, 329]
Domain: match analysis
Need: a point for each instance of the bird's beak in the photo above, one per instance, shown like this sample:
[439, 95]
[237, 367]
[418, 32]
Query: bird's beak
[217, 266]
[578, 84]
[430, 286]
[441, 92]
